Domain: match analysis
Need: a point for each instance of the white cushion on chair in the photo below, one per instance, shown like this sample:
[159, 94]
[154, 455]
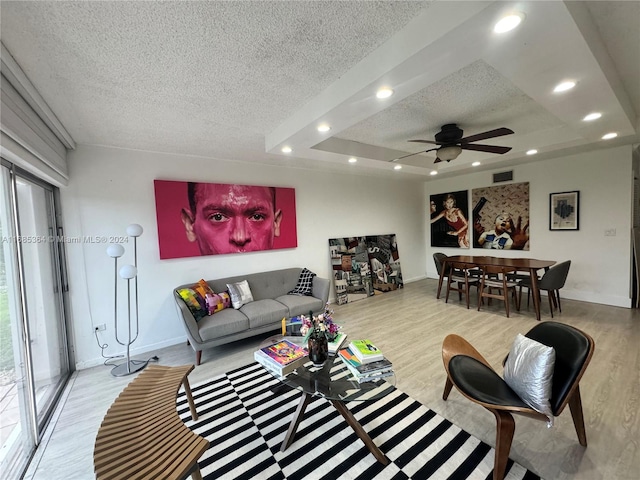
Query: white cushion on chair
[529, 372]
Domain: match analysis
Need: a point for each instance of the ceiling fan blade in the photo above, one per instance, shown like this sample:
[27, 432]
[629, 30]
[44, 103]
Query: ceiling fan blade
[412, 154]
[498, 132]
[485, 148]
[426, 141]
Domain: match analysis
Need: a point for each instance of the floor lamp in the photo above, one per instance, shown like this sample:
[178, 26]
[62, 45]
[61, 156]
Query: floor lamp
[128, 272]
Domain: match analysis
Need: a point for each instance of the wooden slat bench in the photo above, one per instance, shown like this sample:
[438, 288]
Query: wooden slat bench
[143, 437]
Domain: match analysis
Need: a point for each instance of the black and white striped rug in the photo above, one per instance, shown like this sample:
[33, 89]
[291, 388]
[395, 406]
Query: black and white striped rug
[245, 423]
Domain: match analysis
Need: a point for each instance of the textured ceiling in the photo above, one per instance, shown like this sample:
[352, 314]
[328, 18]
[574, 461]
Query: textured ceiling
[238, 80]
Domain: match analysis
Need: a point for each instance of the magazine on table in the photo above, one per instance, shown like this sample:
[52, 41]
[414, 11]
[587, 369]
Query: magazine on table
[352, 361]
[337, 343]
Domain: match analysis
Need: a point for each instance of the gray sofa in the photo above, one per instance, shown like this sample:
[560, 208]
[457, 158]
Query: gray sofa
[270, 304]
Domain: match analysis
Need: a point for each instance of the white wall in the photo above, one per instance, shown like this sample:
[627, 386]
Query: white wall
[112, 188]
[601, 265]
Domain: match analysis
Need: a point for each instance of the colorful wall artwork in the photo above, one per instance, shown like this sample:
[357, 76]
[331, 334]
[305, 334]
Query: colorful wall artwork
[196, 218]
[501, 217]
[450, 219]
[364, 266]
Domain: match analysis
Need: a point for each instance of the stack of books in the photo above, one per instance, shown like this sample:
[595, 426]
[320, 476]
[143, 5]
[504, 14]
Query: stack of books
[337, 343]
[365, 361]
[281, 358]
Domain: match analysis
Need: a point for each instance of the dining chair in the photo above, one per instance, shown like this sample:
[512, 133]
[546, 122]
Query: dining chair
[495, 278]
[439, 259]
[476, 380]
[552, 281]
[459, 275]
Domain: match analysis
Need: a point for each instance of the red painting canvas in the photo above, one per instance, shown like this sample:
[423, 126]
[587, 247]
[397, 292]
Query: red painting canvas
[197, 218]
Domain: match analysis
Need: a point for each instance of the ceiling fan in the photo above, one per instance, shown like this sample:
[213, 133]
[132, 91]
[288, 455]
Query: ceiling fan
[451, 143]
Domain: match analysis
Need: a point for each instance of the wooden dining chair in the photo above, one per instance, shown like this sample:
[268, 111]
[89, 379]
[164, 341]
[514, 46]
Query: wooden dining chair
[439, 259]
[495, 278]
[459, 275]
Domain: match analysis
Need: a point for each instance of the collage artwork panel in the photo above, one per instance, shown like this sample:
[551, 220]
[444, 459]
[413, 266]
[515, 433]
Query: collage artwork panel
[364, 266]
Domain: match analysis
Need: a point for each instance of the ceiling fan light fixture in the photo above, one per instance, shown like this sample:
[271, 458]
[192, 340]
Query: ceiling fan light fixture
[323, 127]
[433, 172]
[508, 22]
[286, 149]
[384, 92]
[609, 136]
[398, 167]
[592, 116]
[564, 86]
[475, 164]
[449, 153]
[533, 151]
[353, 160]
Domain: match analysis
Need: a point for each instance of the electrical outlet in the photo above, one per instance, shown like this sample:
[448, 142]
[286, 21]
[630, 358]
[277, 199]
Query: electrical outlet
[100, 328]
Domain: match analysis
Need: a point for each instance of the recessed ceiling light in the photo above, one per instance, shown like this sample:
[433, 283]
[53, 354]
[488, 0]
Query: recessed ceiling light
[592, 116]
[564, 86]
[509, 22]
[475, 164]
[286, 150]
[353, 160]
[609, 136]
[324, 128]
[533, 151]
[433, 172]
[398, 167]
[384, 92]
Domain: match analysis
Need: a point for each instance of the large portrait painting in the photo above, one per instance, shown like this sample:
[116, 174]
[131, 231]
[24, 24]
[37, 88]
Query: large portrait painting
[501, 217]
[364, 266]
[196, 218]
[449, 219]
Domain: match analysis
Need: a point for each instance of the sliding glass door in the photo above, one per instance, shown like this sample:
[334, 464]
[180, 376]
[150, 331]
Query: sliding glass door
[34, 360]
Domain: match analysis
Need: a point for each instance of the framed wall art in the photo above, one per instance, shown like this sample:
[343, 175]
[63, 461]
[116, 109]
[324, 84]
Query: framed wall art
[199, 218]
[500, 217]
[564, 210]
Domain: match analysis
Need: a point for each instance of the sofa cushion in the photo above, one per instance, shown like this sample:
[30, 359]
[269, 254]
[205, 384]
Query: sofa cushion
[300, 305]
[226, 322]
[305, 283]
[264, 312]
[240, 293]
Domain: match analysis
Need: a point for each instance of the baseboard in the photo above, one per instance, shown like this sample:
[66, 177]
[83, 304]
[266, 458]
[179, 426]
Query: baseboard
[133, 352]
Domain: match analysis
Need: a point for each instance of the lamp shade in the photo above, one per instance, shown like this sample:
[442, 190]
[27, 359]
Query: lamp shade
[449, 153]
[134, 230]
[115, 250]
[128, 272]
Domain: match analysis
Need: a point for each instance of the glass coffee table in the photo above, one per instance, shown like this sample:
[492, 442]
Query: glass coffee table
[334, 383]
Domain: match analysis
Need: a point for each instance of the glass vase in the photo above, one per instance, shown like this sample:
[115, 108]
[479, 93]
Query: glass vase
[318, 350]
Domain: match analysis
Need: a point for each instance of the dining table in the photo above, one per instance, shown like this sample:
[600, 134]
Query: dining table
[529, 265]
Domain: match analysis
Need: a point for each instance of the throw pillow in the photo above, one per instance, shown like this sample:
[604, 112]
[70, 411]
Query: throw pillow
[218, 301]
[529, 372]
[305, 283]
[200, 299]
[240, 293]
[197, 305]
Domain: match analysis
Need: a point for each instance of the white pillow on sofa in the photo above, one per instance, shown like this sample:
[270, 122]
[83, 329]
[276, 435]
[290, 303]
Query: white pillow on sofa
[240, 293]
[529, 372]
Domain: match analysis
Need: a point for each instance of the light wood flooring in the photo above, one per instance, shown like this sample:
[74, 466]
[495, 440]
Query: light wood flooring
[409, 326]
